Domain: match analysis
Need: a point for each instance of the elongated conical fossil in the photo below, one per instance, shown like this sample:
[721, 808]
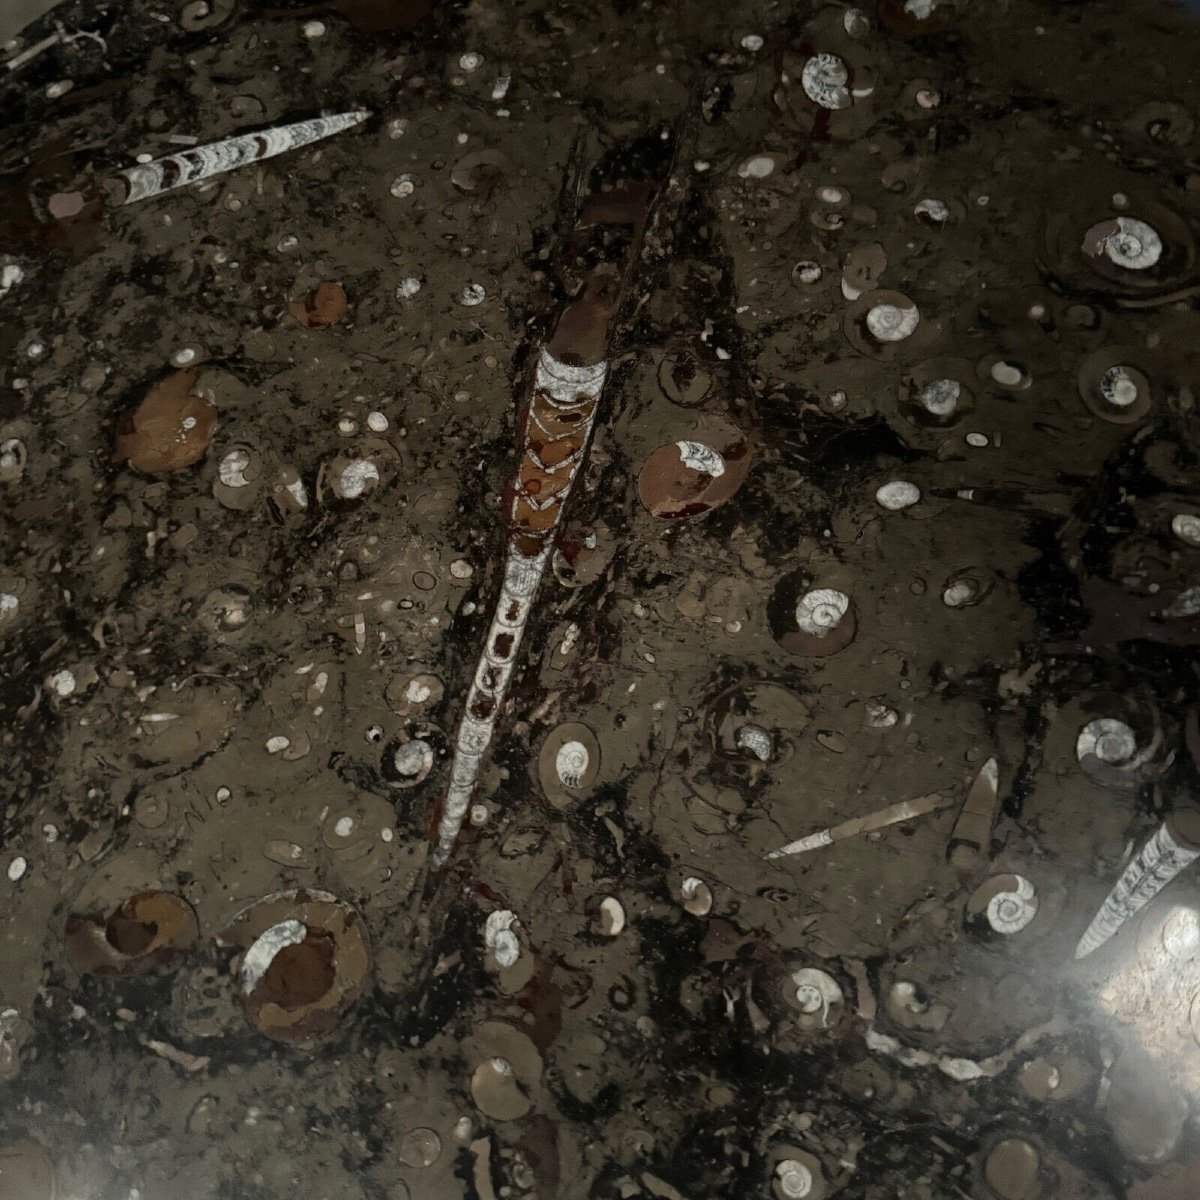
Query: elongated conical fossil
[189, 166]
[1174, 846]
[558, 427]
[555, 431]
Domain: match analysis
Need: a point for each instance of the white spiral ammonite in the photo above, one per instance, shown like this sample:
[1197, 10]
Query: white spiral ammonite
[1110, 740]
[571, 763]
[816, 993]
[940, 397]
[413, 758]
[820, 611]
[1134, 245]
[891, 323]
[795, 1179]
[1010, 912]
[1118, 387]
[824, 79]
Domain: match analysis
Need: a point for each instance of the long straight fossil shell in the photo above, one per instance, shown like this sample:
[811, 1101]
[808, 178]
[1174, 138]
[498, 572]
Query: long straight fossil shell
[1160, 860]
[558, 426]
[189, 166]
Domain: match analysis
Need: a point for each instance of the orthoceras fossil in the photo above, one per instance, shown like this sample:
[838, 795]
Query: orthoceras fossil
[199, 162]
[1174, 846]
[556, 429]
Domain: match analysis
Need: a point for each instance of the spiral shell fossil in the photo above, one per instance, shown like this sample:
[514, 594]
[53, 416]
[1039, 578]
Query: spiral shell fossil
[1108, 739]
[571, 763]
[816, 996]
[499, 938]
[824, 79]
[1010, 911]
[820, 611]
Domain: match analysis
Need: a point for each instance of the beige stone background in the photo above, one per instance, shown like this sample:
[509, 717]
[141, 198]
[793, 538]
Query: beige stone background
[16, 14]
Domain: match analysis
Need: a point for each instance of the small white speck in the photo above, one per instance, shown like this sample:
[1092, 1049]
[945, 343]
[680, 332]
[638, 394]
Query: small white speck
[277, 743]
[470, 61]
[472, 294]
[408, 287]
[376, 422]
[313, 29]
[752, 42]
[17, 868]
[344, 827]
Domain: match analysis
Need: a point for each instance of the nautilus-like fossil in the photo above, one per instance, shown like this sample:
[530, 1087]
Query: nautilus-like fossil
[820, 611]
[571, 763]
[1012, 910]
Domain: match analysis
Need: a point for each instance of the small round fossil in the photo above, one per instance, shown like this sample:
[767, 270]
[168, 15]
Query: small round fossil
[697, 896]
[815, 996]
[897, 494]
[1011, 910]
[1108, 739]
[569, 763]
[825, 79]
[1126, 242]
[891, 322]
[813, 622]
[820, 611]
